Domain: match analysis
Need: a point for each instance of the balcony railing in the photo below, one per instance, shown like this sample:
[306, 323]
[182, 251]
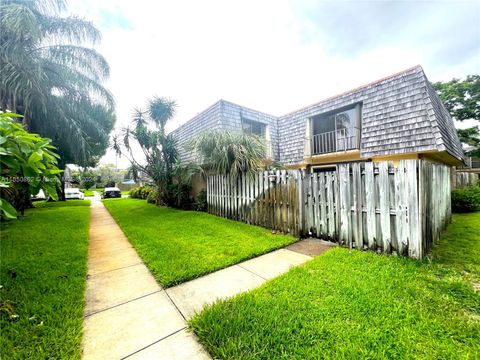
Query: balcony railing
[334, 141]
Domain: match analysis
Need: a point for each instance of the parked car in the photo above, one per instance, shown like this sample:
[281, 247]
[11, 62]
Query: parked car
[74, 193]
[111, 192]
[39, 196]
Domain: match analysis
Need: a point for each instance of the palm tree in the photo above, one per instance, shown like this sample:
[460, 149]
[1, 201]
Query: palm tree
[229, 152]
[161, 110]
[52, 80]
[159, 150]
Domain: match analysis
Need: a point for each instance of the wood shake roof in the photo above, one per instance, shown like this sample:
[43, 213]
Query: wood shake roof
[401, 113]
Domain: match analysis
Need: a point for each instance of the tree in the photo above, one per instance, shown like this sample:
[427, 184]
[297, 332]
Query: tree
[229, 152]
[462, 100]
[158, 149]
[53, 80]
[88, 179]
[108, 175]
[28, 165]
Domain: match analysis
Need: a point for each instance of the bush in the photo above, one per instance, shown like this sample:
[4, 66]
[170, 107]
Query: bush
[141, 192]
[201, 201]
[466, 199]
[87, 179]
[152, 197]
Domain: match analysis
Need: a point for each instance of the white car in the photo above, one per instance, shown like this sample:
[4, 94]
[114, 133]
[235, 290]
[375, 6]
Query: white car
[39, 196]
[74, 193]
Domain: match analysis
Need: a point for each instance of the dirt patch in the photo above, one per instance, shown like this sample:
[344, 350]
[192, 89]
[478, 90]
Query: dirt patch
[311, 247]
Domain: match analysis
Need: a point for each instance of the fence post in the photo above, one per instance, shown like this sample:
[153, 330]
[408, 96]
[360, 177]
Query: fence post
[414, 245]
[345, 207]
[301, 203]
[384, 193]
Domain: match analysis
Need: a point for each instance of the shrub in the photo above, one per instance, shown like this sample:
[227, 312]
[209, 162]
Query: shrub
[201, 201]
[141, 192]
[152, 196]
[466, 199]
[134, 193]
[87, 179]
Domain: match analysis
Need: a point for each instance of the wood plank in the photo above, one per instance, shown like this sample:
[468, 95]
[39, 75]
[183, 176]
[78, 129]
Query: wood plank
[354, 209]
[308, 203]
[278, 201]
[384, 192]
[332, 216]
[267, 200]
[316, 204]
[322, 205]
[344, 199]
[401, 224]
[358, 206]
[283, 175]
[244, 198]
[414, 245]
[301, 203]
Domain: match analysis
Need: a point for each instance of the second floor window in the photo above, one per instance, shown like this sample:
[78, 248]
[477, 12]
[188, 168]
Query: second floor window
[254, 127]
[336, 130]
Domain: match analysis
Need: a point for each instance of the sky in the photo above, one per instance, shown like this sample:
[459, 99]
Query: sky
[272, 56]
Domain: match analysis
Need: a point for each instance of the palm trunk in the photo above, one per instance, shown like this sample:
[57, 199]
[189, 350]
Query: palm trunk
[159, 198]
[26, 122]
[61, 190]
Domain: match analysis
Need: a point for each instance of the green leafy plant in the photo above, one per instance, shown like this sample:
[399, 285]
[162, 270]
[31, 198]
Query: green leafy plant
[466, 199]
[461, 98]
[51, 74]
[87, 179]
[29, 164]
[158, 149]
[201, 201]
[141, 192]
[151, 196]
[229, 152]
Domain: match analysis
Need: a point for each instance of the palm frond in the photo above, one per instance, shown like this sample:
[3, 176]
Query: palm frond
[229, 152]
[161, 110]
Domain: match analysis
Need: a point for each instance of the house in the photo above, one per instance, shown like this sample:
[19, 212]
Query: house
[397, 117]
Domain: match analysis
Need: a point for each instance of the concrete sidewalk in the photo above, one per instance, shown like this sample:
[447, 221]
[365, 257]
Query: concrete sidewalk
[128, 315]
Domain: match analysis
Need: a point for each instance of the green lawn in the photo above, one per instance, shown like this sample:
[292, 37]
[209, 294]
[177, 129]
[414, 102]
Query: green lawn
[359, 305]
[181, 245]
[87, 192]
[42, 275]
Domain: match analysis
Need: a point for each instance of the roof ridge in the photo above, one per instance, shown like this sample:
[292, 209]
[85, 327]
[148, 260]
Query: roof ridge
[356, 88]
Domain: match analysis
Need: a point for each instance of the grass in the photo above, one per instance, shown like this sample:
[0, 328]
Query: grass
[87, 192]
[359, 305]
[181, 245]
[42, 273]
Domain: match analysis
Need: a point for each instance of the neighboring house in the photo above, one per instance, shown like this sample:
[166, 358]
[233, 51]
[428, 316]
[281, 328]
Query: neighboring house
[397, 117]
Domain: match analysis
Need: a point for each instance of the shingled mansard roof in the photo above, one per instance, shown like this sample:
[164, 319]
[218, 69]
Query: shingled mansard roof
[400, 114]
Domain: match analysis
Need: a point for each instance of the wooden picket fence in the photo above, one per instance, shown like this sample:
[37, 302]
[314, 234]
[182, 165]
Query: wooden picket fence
[400, 209]
[466, 178]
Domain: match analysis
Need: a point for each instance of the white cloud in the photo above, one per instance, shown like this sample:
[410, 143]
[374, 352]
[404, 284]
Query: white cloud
[255, 53]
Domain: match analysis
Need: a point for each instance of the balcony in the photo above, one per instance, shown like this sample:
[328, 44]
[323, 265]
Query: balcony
[334, 141]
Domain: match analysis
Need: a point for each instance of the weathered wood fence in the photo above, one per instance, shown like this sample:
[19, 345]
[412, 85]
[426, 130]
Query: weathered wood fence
[465, 178]
[400, 209]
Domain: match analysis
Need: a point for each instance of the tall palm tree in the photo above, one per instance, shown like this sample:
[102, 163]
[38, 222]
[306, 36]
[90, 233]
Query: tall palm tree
[56, 83]
[159, 150]
[161, 110]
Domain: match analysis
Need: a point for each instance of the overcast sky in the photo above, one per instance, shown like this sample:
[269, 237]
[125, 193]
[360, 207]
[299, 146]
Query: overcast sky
[273, 56]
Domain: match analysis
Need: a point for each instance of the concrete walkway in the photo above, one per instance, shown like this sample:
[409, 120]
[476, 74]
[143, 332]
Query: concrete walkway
[128, 315]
